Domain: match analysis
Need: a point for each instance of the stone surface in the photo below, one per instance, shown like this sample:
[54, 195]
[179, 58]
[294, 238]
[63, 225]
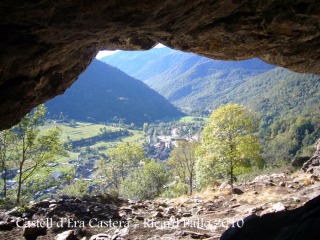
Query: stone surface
[45, 45]
[183, 218]
[313, 164]
[300, 223]
[236, 226]
[67, 235]
[278, 207]
[100, 237]
[33, 231]
[6, 226]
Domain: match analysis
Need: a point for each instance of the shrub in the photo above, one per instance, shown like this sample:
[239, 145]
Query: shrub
[78, 188]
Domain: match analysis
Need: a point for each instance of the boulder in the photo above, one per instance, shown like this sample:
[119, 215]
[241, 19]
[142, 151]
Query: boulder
[43, 204]
[32, 232]
[234, 228]
[14, 212]
[83, 208]
[101, 236]
[278, 207]
[169, 210]
[195, 235]
[299, 161]
[67, 235]
[157, 214]
[313, 164]
[282, 184]
[6, 226]
[237, 191]
[296, 224]
[187, 214]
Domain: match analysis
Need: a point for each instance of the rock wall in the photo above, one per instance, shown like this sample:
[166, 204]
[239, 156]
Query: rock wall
[297, 224]
[45, 45]
[313, 164]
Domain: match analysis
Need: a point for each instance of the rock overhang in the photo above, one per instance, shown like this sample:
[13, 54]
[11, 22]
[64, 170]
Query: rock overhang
[45, 45]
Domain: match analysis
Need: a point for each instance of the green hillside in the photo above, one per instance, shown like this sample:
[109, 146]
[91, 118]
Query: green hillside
[187, 80]
[279, 93]
[104, 93]
[287, 102]
[140, 64]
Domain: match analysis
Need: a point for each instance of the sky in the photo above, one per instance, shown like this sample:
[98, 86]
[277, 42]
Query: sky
[102, 54]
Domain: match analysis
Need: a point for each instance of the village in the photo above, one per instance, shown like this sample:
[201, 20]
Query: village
[83, 167]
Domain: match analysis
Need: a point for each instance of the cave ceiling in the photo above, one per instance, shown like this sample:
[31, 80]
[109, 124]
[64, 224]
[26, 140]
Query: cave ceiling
[45, 45]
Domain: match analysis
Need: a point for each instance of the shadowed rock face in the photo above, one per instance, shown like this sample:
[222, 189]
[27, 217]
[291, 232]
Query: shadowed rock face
[300, 223]
[44, 46]
[313, 164]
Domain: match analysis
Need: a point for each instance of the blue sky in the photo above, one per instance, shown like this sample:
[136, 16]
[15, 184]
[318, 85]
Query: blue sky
[102, 54]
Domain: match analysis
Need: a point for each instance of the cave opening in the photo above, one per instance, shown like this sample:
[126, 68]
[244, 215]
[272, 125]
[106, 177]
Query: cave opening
[46, 45]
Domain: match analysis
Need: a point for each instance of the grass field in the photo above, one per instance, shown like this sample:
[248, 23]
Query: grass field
[136, 137]
[191, 119]
[81, 130]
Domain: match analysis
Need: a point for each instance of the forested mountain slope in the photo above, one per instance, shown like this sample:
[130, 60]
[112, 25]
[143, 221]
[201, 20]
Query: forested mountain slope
[104, 93]
[187, 80]
[287, 102]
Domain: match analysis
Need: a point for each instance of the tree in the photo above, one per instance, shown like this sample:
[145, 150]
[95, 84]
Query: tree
[132, 126]
[229, 144]
[77, 188]
[6, 151]
[146, 182]
[155, 136]
[182, 162]
[33, 150]
[145, 127]
[121, 160]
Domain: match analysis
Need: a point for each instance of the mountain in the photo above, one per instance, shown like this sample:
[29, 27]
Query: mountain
[102, 93]
[139, 64]
[278, 93]
[289, 109]
[287, 102]
[187, 80]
